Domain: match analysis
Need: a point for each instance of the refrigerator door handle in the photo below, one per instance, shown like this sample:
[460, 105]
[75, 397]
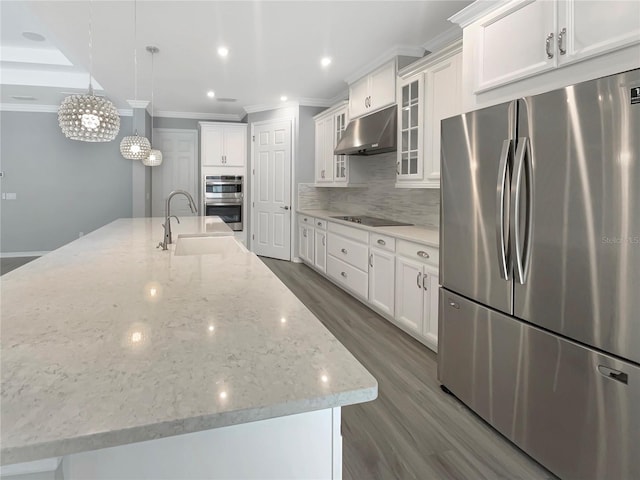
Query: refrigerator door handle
[523, 167]
[501, 241]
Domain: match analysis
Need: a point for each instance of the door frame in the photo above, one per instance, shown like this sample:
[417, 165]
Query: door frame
[252, 170]
[193, 131]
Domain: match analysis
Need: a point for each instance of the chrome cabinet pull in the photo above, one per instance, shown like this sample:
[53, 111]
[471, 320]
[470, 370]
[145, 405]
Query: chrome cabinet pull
[503, 175]
[324, 241]
[304, 233]
[424, 277]
[548, 45]
[418, 280]
[561, 39]
[398, 168]
[343, 250]
[344, 274]
[381, 242]
[423, 254]
[319, 224]
[371, 260]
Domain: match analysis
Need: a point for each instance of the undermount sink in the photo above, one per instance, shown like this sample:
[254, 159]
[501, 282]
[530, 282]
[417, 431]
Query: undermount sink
[207, 245]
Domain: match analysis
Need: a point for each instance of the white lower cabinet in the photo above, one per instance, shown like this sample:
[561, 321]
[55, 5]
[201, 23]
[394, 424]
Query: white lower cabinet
[396, 278]
[382, 273]
[320, 257]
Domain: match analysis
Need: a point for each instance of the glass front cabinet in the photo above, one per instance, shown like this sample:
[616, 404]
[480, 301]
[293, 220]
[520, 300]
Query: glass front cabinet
[409, 166]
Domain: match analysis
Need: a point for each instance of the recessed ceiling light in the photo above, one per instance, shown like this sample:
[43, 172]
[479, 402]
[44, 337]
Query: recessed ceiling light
[211, 94]
[223, 51]
[283, 98]
[36, 37]
[325, 62]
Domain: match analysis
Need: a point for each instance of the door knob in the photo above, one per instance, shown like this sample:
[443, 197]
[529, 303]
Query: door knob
[285, 207]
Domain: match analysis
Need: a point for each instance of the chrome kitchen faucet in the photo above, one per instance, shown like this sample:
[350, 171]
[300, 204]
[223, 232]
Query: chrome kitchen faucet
[167, 213]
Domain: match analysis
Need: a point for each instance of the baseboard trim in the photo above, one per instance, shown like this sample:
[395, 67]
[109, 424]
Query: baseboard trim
[22, 254]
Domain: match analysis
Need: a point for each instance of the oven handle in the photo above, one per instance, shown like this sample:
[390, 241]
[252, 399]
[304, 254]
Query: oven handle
[209, 182]
[222, 204]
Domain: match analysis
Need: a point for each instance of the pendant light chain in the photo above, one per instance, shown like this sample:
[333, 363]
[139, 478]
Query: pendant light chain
[90, 47]
[152, 117]
[135, 50]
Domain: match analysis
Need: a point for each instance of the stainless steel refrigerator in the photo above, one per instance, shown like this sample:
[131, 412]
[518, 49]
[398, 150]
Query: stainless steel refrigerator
[539, 325]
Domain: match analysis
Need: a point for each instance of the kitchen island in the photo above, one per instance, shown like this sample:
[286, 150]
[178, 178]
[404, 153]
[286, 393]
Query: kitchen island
[123, 360]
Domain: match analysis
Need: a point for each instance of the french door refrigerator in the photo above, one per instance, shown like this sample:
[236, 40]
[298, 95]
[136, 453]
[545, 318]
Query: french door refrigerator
[539, 325]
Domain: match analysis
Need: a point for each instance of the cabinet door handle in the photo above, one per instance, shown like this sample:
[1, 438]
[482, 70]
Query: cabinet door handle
[418, 280]
[344, 274]
[324, 242]
[398, 168]
[319, 224]
[304, 233]
[343, 250]
[424, 287]
[381, 242]
[561, 38]
[371, 260]
[423, 254]
[548, 45]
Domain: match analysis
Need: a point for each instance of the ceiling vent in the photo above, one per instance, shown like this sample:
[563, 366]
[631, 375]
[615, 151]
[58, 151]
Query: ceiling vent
[227, 100]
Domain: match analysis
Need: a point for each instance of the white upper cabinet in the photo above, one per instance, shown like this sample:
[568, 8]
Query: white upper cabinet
[528, 37]
[223, 144]
[373, 92]
[334, 170]
[428, 91]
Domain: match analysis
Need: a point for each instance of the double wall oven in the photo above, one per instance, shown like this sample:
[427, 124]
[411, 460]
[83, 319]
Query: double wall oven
[224, 197]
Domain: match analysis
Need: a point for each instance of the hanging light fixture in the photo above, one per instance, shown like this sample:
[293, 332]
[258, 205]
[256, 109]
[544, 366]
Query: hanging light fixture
[154, 158]
[87, 117]
[135, 147]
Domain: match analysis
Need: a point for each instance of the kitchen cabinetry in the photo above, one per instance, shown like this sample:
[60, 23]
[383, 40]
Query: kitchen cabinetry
[320, 255]
[223, 144]
[348, 257]
[416, 290]
[334, 170]
[306, 237]
[428, 91]
[373, 92]
[526, 38]
[382, 273]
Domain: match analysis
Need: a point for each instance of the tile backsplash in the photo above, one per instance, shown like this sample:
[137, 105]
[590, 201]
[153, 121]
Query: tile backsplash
[379, 199]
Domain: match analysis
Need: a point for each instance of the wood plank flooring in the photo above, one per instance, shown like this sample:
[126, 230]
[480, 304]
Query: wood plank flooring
[412, 430]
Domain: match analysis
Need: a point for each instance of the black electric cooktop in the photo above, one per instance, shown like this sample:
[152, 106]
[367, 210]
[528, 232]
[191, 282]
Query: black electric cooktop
[371, 221]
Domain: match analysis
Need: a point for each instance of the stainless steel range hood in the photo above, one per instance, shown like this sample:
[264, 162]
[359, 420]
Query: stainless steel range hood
[371, 134]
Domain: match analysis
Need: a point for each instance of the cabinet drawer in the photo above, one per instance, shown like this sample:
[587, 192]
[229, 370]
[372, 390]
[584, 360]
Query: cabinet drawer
[350, 277]
[306, 220]
[348, 251]
[349, 232]
[425, 254]
[318, 223]
[383, 242]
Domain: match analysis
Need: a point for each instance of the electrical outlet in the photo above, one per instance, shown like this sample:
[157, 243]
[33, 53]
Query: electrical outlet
[11, 196]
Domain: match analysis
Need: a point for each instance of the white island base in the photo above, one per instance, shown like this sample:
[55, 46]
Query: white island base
[302, 446]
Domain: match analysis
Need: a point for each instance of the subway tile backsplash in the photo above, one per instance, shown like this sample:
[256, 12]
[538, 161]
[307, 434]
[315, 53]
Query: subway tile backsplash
[379, 199]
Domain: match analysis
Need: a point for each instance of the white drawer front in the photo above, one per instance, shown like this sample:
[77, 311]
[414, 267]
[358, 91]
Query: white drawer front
[352, 278]
[383, 242]
[318, 223]
[306, 220]
[348, 251]
[350, 232]
[416, 251]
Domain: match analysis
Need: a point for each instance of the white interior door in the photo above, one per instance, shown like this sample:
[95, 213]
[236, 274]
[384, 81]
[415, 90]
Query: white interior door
[179, 170]
[272, 190]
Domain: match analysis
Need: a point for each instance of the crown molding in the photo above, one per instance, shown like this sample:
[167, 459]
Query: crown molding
[443, 39]
[227, 117]
[270, 106]
[344, 95]
[23, 107]
[384, 58]
[138, 103]
[420, 65]
[314, 102]
[473, 12]
[31, 108]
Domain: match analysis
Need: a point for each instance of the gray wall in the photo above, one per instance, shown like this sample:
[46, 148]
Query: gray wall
[63, 186]
[305, 163]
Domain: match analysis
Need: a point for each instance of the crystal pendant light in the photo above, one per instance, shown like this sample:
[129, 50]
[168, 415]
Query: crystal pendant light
[154, 158]
[87, 117]
[135, 147]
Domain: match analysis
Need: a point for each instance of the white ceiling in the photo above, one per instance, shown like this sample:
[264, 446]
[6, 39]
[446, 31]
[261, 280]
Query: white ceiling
[275, 48]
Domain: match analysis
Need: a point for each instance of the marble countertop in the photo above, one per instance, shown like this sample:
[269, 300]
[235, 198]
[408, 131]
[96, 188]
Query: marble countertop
[413, 233]
[109, 340]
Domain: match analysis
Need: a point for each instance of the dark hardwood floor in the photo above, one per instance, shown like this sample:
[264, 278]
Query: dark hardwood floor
[413, 430]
